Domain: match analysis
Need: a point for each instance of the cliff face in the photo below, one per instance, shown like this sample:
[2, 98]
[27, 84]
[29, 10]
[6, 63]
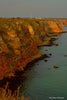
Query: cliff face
[53, 26]
[16, 46]
[19, 39]
[63, 22]
[43, 29]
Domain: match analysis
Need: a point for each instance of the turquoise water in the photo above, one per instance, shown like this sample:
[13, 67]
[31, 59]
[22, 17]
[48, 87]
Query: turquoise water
[42, 80]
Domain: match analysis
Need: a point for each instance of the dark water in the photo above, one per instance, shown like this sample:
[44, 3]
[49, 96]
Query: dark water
[42, 80]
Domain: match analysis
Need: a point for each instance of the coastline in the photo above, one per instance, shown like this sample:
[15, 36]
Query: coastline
[18, 74]
[20, 43]
[33, 60]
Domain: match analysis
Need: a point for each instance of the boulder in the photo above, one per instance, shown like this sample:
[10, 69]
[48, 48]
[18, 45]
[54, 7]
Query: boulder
[50, 54]
[55, 66]
[45, 60]
[56, 44]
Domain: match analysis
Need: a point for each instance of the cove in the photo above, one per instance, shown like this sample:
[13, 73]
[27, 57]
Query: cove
[42, 81]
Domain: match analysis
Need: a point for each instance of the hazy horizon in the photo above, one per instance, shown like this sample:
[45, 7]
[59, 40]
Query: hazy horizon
[33, 8]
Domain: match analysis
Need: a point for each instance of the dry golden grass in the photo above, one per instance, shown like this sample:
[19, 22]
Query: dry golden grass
[7, 94]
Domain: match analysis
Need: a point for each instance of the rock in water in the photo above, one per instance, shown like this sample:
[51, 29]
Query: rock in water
[56, 44]
[55, 66]
[50, 54]
[45, 60]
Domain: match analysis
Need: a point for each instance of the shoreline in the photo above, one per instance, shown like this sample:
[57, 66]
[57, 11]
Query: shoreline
[20, 42]
[29, 64]
[36, 58]
[18, 74]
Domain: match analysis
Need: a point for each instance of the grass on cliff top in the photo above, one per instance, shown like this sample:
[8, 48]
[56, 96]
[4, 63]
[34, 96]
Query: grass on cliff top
[7, 95]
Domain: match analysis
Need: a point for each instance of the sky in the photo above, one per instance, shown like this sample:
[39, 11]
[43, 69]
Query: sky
[33, 8]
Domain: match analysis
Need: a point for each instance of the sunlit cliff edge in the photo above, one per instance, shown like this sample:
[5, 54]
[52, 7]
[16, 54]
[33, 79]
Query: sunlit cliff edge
[19, 41]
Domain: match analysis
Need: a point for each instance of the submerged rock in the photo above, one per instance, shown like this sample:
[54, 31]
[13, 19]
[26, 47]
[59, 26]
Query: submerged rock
[65, 55]
[46, 50]
[49, 68]
[45, 60]
[50, 54]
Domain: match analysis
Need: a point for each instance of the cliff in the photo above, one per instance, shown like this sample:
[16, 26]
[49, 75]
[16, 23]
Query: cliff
[19, 39]
[63, 22]
[42, 30]
[16, 46]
